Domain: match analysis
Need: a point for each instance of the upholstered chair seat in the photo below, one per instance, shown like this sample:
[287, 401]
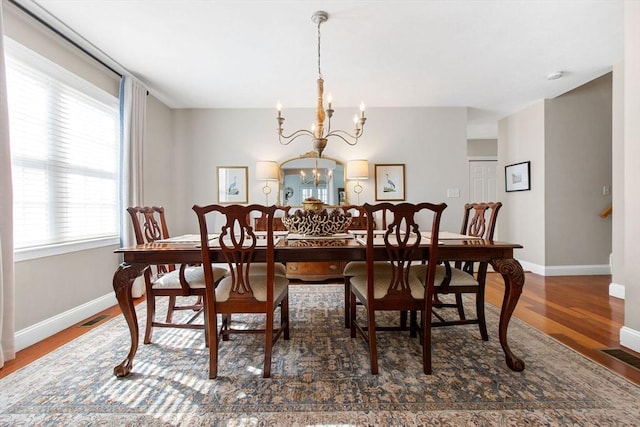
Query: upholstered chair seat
[258, 286]
[359, 268]
[260, 269]
[194, 276]
[458, 277]
[381, 285]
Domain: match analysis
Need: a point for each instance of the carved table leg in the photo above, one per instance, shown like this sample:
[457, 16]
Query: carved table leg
[122, 283]
[513, 276]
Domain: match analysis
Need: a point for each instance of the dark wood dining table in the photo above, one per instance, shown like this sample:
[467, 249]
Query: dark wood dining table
[140, 257]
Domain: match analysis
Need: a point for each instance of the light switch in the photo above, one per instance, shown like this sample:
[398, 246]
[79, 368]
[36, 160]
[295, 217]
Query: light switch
[606, 190]
[453, 192]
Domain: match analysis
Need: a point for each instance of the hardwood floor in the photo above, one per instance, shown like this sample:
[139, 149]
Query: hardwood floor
[575, 310]
[34, 352]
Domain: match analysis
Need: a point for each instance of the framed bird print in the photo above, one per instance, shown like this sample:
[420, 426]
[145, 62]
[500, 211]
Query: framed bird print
[232, 184]
[389, 182]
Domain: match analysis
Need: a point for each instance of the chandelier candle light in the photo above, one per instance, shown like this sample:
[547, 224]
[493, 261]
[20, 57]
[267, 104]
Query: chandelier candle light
[317, 178]
[318, 133]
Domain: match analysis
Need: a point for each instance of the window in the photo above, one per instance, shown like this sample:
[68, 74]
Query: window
[320, 192]
[65, 154]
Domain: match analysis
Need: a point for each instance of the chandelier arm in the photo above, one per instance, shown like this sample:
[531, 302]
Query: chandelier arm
[339, 133]
[287, 139]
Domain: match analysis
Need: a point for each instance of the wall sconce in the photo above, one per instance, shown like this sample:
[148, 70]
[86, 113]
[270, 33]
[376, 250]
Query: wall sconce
[267, 171]
[357, 169]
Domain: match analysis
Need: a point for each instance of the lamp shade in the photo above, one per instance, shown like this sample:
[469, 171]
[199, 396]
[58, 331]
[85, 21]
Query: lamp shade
[267, 170]
[358, 169]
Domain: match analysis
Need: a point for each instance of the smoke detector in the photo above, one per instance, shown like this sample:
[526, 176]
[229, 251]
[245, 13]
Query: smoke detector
[555, 75]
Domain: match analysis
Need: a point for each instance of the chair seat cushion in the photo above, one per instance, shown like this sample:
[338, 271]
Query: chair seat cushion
[383, 267]
[258, 285]
[381, 284]
[260, 269]
[193, 275]
[458, 277]
[358, 268]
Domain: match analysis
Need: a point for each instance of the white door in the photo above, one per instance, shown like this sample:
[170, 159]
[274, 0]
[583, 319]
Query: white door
[482, 180]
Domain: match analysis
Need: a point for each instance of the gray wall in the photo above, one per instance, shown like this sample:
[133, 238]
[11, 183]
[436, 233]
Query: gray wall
[482, 148]
[577, 166]
[24, 30]
[522, 218]
[431, 142]
[48, 286]
[569, 144]
[159, 164]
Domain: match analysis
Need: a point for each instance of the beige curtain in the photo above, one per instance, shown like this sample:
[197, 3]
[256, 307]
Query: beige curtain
[133, 120]
[7, 286]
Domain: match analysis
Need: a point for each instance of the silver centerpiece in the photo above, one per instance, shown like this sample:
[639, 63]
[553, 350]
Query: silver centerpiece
[317, 222]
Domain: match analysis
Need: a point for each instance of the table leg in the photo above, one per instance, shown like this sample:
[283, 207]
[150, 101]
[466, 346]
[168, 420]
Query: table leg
[122, 283]
[513, 276]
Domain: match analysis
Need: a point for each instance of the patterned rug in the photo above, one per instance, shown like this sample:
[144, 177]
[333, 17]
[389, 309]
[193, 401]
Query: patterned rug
[319, 377]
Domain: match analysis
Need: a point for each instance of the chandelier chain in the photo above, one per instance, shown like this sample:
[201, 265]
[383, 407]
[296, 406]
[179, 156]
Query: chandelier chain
[319, 71]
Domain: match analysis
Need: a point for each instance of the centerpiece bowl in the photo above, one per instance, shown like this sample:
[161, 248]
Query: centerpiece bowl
[317, 222]
[312, 204]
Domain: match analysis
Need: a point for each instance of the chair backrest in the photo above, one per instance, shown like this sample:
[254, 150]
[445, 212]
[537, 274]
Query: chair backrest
[260, 223]
[237, 244]
[403, 244]
[149, 225]
[358, 216]
[479, 220]
[483, 221]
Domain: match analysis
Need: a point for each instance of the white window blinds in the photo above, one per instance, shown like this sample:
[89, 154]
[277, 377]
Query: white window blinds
[65, 153]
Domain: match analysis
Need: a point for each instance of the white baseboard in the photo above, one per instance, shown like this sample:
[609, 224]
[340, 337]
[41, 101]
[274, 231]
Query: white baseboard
[534, 268]
[616, 290]
[630, 338]
[55, 324]
[566, 270]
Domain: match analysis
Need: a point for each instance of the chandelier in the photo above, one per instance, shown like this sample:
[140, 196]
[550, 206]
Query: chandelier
[318, 133]
[316, 177]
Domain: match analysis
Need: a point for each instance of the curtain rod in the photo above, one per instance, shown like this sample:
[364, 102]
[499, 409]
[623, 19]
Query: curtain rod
[59, 33]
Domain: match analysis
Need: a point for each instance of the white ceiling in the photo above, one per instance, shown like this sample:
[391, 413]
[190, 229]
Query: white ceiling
[490, 55]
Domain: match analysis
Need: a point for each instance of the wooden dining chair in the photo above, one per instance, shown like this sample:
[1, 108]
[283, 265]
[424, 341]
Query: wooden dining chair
[397, 289]
[260, 223]
[241, 291]
[358, 216]
[478, 220]
[355, 268]
[168, 280]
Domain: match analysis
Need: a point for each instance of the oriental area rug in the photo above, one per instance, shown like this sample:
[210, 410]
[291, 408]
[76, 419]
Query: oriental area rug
[320, 377]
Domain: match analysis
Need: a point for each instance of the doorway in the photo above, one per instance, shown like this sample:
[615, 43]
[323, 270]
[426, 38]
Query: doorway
[482, 180]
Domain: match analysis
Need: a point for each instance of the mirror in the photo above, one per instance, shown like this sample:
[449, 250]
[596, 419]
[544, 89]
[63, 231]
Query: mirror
[310, 176]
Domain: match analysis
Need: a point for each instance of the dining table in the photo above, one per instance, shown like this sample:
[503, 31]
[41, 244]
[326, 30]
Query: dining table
[288, 248]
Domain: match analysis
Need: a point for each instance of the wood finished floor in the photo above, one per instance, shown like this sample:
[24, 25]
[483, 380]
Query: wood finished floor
[575, 310]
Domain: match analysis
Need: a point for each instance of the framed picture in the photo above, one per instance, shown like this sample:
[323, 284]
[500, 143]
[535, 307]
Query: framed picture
[390, 182]
[232, 184]
[517, 177]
